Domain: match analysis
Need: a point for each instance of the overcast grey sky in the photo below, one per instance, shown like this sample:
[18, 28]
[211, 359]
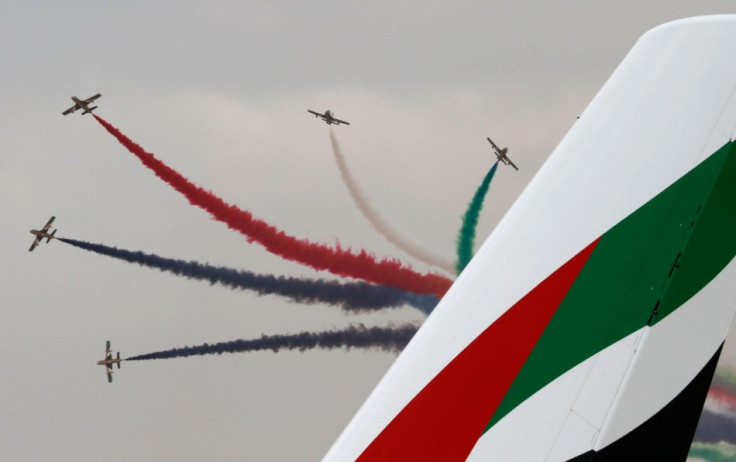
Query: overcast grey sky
[219, 90]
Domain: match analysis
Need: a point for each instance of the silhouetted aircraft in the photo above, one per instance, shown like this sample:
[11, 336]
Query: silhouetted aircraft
[82, 104]
[328, 117]
[109, 361]
[42, 234]
[501, 154]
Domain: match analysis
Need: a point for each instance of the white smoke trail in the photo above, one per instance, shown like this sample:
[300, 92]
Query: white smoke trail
[377, 221]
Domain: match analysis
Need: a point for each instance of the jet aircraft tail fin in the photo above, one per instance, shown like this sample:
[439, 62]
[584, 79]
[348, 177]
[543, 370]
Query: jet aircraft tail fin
[589, 323]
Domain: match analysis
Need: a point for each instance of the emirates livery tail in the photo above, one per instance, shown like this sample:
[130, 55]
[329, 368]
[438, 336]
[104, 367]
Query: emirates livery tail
[588, 325]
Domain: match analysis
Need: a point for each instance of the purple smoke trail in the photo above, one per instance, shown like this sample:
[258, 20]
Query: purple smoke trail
[377, 221]
[355, 336]
[353, 297]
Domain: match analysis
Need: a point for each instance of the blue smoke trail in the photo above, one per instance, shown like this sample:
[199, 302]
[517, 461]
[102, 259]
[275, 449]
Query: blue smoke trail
[352, 297]
[713, 428]
[354, 336]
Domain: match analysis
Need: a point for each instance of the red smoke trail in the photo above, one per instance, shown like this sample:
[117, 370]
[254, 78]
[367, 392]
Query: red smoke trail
[338, 261]
[721, 401]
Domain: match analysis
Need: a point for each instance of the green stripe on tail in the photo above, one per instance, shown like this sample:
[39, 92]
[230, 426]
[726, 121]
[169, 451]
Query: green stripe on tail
[643, 269]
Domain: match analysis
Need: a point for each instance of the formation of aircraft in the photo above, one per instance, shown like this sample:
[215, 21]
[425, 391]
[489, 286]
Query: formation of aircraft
[109, 361]
[82, 104]
[576, 384]
[328, 117]
[501, 154]
[42, 234]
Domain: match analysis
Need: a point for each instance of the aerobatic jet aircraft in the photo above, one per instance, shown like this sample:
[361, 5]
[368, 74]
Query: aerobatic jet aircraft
[328, 117]
[42, 234]
[82, 104]
[109, 361]
[501, 154]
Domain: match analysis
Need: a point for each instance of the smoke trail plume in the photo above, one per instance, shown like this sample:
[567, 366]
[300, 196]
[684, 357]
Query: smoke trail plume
[466, 235]
[338, 261]
[713, 428]
[375, 218]
[720, 452]
[355, 336]
[721, 401]
[352, 297]
[725, 378]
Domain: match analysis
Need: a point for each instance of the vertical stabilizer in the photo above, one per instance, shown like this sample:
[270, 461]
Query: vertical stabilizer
[592, 317]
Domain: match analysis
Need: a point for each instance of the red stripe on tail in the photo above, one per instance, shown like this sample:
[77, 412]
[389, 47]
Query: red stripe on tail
[446, 418]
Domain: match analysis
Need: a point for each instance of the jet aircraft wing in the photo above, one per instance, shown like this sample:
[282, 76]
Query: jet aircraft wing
[92, 98]
[108, 357]
[495, 146]
[47, 225]
[35, 243]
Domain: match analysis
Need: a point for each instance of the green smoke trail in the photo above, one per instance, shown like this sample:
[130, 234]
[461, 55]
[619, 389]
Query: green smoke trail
[466, 235]
[721, 452]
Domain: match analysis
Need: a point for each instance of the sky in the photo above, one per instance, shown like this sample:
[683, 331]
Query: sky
[219, 90]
